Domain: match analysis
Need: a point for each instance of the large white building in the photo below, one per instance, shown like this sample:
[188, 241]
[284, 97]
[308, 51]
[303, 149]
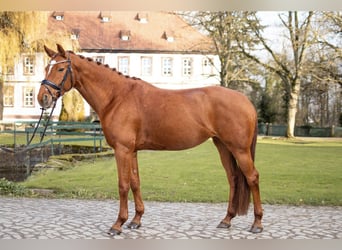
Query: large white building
[158, 47]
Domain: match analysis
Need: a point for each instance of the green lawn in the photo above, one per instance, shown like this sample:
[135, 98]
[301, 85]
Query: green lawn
[291, 172]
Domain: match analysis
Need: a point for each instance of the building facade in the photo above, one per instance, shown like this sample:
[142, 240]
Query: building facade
[158, 47]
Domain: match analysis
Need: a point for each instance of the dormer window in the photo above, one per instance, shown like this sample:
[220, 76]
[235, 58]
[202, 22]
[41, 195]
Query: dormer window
[142, 17]
[125, 35]
[169, 36]
[58, 15]
[75, 34]
[105, 19]
[105, 16]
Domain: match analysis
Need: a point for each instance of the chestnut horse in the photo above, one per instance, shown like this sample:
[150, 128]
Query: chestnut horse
[135, 115]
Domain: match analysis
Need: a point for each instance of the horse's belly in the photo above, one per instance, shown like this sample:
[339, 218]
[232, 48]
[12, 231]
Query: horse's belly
[173, 139]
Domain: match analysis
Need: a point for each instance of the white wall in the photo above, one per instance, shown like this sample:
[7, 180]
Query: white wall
[177, 80]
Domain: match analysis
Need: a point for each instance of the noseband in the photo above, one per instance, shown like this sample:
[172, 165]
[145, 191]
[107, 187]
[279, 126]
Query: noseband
[59, 87]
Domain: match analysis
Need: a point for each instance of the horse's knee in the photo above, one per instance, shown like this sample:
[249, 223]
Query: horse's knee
[124, 188]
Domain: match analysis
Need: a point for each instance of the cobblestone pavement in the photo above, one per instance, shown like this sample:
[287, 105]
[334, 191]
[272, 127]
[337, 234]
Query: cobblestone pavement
[22, 218]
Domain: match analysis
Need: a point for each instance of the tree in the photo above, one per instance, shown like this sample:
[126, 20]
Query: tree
[72, 107]
[27, 32]
[288, 65]
[225, 28]
[320, 101]
[19, 32]
[271, 103]
[325, 65]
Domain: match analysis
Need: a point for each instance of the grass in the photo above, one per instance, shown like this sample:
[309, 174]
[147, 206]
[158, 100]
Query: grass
[301, 172]
[291, 172]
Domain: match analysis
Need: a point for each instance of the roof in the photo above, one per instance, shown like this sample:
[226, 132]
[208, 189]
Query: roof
[145, 31]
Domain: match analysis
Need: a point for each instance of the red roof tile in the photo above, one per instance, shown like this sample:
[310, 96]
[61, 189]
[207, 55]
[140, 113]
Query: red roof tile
[97, 34]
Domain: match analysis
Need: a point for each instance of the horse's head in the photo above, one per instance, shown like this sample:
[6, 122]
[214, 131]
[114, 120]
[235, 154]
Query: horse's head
[58, 77]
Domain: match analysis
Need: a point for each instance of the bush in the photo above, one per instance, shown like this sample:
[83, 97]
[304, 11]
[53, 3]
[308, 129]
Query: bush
[10, 188]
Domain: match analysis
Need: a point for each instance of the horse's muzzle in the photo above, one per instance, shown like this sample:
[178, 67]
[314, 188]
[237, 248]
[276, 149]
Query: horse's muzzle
[45, 100]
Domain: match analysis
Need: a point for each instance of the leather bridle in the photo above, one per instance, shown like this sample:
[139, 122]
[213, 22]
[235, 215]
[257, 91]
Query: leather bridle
[59, 87]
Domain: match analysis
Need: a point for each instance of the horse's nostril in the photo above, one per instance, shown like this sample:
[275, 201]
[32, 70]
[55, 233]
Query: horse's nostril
[45, 101]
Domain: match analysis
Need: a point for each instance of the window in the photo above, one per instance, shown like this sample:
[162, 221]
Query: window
[187, 67]
[125, 35]
[105, 16]
[58, 15]
[167, 66]
[124, 64]
[99, 59]
[169, 36]
[142, 17]
[75, 34]
[28, 65]
[28, 96]
[146, 66]
[8, 96]
[207, 66]
[73, 37]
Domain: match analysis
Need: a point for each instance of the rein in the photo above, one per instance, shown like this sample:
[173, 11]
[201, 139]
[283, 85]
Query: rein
[45, 127]
[34, 132]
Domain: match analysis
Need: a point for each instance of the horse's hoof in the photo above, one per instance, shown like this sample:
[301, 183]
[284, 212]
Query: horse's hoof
[256, 230]
[133, 225]
[223, 225]
[113, 232]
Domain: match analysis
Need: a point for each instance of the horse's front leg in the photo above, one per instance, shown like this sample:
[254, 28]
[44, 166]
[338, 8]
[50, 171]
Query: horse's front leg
[124, 162]
[135, 186]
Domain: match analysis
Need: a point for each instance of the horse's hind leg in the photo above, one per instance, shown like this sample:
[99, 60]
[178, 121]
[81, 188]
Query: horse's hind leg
[246, 165]
[135, 187]
[226, 159]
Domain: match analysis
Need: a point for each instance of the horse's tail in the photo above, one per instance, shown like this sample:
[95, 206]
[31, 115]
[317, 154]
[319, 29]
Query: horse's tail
[242, 194]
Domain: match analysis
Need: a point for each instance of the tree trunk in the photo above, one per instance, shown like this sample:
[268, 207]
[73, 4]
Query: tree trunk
[1, 98]
[292, 109]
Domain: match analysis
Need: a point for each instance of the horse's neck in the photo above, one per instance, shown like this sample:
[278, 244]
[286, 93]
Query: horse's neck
[98, 85]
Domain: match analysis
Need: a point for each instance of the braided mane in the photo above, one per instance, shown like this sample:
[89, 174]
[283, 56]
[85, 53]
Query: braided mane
[104, 65]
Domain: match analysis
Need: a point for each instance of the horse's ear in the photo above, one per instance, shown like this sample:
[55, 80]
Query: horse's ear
[60, 50]
[49, 52]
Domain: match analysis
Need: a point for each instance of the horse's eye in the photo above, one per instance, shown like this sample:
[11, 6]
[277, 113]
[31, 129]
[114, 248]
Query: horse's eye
[60, 69]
